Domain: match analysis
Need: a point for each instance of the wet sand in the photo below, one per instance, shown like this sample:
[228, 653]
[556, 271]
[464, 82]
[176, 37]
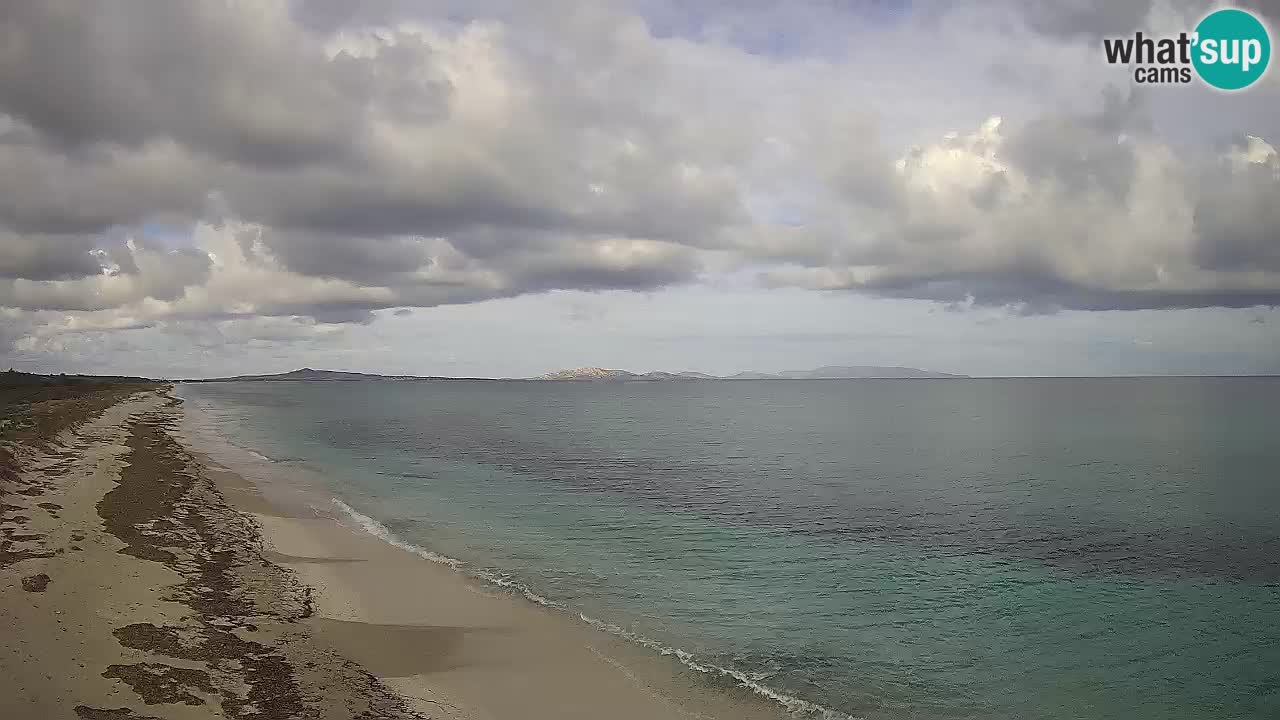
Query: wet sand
[145, 580]
[431, 633]
[456, 647]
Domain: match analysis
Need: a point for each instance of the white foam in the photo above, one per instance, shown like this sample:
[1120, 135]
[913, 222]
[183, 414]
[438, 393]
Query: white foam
[795, 705]
[504, 581]
[380, 531]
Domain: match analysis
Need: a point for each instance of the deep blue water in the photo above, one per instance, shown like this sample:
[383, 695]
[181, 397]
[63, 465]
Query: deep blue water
[1070, 548]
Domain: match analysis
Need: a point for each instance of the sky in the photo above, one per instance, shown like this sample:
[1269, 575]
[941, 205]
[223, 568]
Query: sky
[503, 188]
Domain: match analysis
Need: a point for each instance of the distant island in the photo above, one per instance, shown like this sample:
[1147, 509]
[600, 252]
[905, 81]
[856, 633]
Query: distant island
[309, 374]
[312, 375]
[827, 372]
[597, 374]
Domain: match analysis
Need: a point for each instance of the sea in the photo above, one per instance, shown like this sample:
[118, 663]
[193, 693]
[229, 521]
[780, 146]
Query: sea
[881, 549]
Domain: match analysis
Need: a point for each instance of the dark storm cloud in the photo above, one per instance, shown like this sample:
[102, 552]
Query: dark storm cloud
[370, 261]
[1093, 18]
[46, 257]
[87, 190]
[1082, 152]
[239, 85]
[1238, 219]
[337, 202]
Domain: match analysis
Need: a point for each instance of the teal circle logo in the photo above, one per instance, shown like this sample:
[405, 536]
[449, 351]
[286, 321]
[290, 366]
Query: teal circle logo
[1232, 49]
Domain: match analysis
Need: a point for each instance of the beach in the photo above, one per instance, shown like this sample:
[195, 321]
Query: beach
[388, 550]
[139, 579]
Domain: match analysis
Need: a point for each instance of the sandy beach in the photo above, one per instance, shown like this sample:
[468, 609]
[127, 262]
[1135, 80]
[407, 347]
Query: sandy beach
[139, 579]
[130, 589]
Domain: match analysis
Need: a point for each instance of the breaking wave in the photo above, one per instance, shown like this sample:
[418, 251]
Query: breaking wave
[795, 705]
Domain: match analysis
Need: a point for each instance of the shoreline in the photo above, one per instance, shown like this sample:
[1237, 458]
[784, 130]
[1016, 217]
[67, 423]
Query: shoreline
[508, 655]
[734, 681]
[141, 578]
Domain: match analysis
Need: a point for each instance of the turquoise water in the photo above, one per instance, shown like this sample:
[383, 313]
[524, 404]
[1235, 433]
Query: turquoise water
[1104, 548]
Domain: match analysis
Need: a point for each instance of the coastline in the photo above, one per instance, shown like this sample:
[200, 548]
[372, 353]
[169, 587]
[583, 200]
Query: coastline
[143, 579]
[452, 644]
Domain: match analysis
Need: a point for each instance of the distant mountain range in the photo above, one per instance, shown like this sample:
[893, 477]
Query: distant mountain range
[828, 372]
[596, 374]
[307, 374]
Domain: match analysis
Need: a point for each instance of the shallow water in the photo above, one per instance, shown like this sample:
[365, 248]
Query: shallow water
[1074, 548]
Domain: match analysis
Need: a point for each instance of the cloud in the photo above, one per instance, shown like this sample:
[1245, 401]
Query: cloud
[233, 80]
[46, 257]
[1237, 217]
[326, 161]
[48, 189]
[1095, 19]
[1088, 212]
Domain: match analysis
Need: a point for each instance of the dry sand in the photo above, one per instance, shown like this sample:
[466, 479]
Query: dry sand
[140, 579]
[129, 589]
